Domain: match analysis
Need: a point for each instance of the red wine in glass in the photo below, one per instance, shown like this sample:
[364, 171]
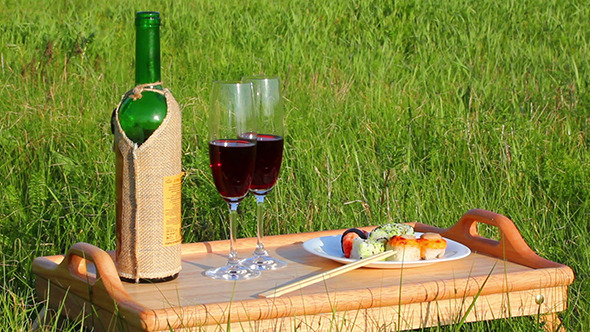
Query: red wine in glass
[268, 106]
[269, 155]
[232, 163]
[232, 149]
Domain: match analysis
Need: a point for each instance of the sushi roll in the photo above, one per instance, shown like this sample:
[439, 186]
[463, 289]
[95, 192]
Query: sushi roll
[385, 232]
[406, 248]
[362, 248]
[432, 246]
[348, 237]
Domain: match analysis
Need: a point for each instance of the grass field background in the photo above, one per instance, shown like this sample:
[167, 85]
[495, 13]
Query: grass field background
[395, 111]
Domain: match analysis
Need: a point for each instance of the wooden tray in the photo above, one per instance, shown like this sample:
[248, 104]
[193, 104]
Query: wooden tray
[498, 280]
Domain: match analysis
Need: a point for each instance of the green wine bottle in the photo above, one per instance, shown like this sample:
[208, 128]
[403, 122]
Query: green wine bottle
[141, 114]
[148, 167]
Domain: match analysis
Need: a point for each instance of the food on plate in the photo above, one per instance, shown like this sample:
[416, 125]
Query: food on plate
[358, 244]
[432, 246]
[406, 248]
[348, 237]
[363, 248]
[387, 231]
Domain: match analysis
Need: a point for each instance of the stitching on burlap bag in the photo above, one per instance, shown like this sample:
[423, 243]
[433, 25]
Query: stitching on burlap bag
[148, 245]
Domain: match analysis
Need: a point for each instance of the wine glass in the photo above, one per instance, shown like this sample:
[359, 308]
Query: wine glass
[269, 154]
[232, 152]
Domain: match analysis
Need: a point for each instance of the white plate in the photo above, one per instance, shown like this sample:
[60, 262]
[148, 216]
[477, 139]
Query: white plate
[329, 247]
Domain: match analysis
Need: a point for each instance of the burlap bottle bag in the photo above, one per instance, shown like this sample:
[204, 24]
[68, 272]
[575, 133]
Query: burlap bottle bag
[149, 197]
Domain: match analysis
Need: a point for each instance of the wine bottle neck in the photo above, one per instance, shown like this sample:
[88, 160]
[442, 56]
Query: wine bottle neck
[147, 48]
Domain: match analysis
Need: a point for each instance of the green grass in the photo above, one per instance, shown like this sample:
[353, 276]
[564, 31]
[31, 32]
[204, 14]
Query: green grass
[395, 111]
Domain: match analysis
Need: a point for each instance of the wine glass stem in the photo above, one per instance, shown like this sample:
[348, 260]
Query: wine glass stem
[259, 225]
[233, 218]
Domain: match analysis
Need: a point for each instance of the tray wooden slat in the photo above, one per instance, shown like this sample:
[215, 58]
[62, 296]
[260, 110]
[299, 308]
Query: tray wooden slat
[497, 272]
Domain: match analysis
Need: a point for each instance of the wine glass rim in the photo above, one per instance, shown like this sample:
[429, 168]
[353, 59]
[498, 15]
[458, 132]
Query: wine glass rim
[231, 82]
[259, 77]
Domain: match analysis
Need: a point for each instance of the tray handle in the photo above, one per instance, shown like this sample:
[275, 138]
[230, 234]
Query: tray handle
[75, 264]
[511, 246]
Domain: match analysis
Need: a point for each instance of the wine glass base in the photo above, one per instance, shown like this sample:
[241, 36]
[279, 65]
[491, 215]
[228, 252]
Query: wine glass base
[263, 263]
[232, 272]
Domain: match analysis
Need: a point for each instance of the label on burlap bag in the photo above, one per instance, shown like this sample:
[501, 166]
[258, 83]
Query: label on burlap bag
[148, 199]
[172, 211]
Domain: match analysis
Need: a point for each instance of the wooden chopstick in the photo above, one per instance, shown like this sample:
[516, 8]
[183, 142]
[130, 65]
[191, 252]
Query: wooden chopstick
[325, 275]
